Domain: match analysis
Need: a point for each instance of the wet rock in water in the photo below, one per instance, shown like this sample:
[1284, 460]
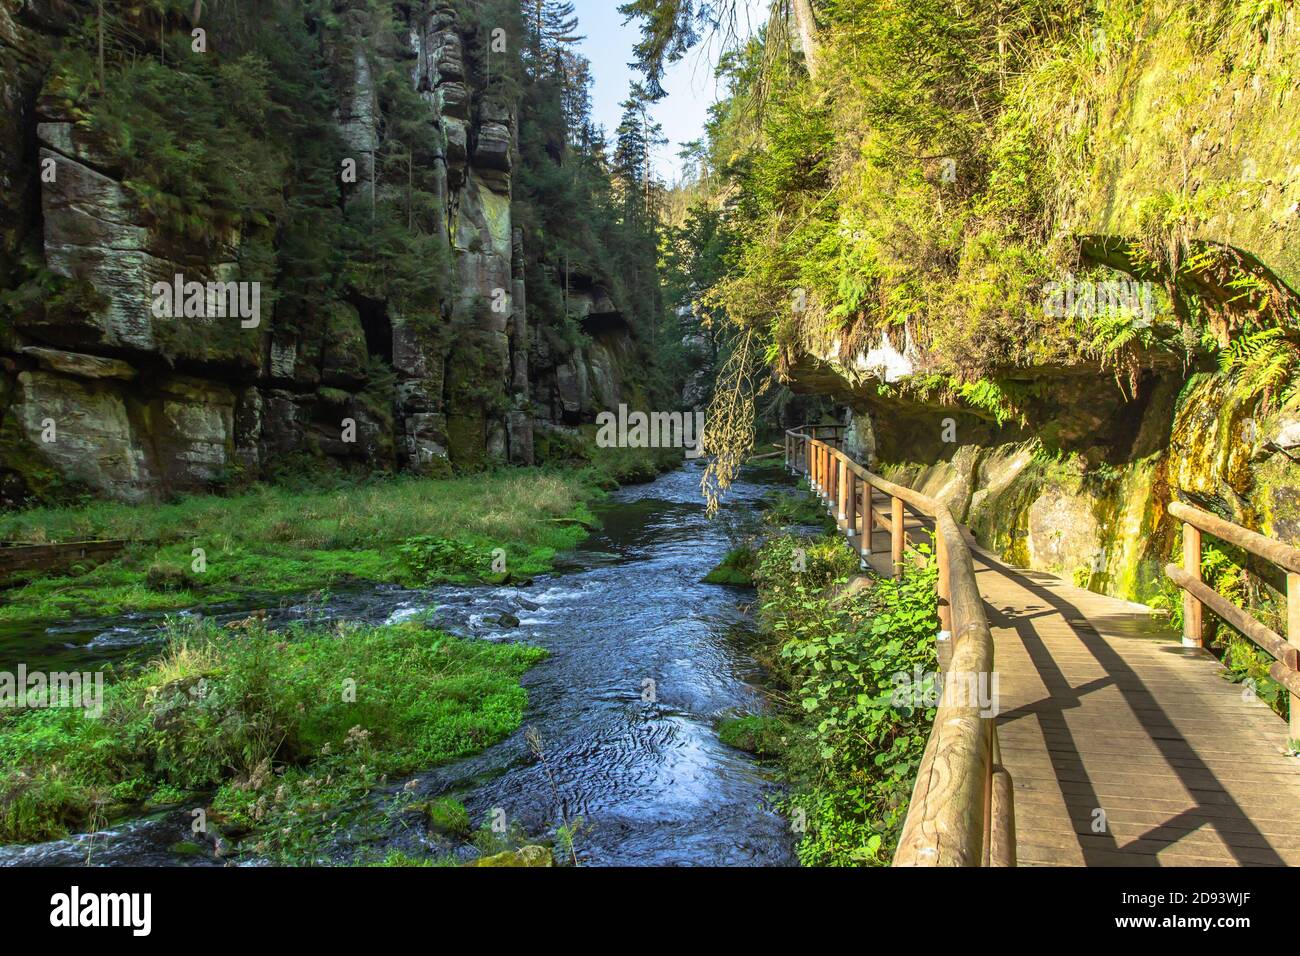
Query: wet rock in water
[736, 568]
[506, 619]
[447, 816]
[524, 856]
[186, 848]
[528, 605]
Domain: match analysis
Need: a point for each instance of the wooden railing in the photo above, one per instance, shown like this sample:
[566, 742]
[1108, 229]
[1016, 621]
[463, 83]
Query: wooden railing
[1285, 668]
[961, 812]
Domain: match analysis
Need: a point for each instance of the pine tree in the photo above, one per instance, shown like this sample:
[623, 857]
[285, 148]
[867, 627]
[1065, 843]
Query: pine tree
[637, 137]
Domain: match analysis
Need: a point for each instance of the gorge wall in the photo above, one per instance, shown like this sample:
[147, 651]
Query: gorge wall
[1142, 143]
[1093, 506]
[437, 369]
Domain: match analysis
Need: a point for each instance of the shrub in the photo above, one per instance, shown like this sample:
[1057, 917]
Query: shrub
[854, 752]
[428, 559]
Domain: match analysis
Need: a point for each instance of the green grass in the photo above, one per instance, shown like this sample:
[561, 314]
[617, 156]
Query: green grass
[275, 540]
[396, 858]
[277, 734]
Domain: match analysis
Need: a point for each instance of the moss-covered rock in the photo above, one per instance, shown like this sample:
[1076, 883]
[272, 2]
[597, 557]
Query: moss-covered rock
[762, 735]
[736, 568]
[524, 856]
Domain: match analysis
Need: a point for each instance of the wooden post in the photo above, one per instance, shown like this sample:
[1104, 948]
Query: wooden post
[866, 521]
[896, 536]
[850, 505]
[1192, 622]
[830, 481]
[842, 497]
[1293, 638]
[941, 562]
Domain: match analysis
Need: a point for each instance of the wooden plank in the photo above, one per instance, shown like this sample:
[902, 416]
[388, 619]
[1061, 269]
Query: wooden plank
[16, 558]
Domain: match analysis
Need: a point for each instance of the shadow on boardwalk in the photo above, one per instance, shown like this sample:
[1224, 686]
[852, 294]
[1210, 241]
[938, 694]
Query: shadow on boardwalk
[1127, 749]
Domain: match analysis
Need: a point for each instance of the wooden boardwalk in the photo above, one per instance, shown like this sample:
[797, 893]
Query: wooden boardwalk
[1124, 747]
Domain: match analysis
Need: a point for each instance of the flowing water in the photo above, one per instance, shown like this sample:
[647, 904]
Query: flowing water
[644, 659]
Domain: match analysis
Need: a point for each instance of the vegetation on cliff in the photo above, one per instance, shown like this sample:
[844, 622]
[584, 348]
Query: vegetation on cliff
[942, 165]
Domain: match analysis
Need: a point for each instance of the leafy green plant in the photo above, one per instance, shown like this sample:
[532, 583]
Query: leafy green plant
[428, 558]
[853, 748]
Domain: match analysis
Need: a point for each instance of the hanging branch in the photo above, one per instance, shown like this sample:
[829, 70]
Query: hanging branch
[729, 420]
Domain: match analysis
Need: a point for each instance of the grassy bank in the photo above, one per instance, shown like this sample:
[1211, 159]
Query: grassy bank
[849, 751]
[286, 539]
[274, 734]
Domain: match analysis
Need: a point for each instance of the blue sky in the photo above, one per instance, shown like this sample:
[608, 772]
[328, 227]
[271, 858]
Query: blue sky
[690, 84]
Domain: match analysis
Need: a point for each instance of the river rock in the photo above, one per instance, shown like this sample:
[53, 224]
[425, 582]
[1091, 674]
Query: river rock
[524, 856]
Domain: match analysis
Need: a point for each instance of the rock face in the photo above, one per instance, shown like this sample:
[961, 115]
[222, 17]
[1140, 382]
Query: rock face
[106, 394]
[1096, 511]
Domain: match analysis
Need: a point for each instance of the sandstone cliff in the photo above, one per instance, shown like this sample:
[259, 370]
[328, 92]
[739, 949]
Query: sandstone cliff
[98, 392]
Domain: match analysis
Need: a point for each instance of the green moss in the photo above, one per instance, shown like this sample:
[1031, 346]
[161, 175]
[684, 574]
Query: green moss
[449, 816]
[736, 568]
[467, 438]
[762, 735]
[524, 856]
[286, 728]
[186, 849]
[334, 397]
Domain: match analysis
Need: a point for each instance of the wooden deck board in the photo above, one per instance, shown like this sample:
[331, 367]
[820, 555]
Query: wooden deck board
[1101, 708]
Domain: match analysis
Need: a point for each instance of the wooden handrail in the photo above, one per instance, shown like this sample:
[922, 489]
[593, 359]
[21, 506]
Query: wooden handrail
[962, 811]
[1283, 555]
[1197, 596]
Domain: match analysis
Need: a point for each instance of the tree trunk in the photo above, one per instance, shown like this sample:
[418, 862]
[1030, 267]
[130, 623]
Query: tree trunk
[806, 24]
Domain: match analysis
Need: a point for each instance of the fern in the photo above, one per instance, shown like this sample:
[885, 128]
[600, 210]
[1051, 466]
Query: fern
[1263, 364]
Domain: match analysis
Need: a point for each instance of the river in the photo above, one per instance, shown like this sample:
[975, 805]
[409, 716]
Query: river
[644, 658]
